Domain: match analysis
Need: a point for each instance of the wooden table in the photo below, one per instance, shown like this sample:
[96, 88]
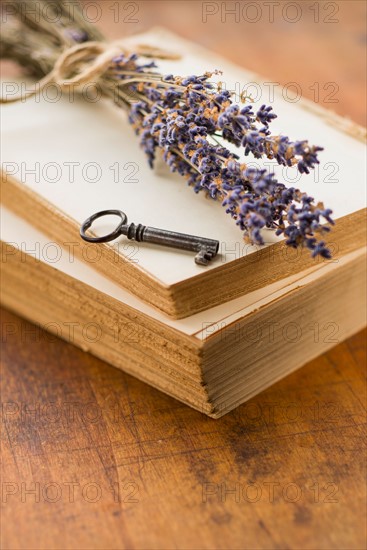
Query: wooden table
[93, 458]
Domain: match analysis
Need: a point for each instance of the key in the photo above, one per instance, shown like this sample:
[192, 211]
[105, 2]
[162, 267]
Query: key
[206, 249]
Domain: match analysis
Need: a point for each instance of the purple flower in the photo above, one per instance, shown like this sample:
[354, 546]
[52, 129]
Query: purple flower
[265, 116]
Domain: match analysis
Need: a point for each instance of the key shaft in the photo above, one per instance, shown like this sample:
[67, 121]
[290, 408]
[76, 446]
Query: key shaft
[206, 248]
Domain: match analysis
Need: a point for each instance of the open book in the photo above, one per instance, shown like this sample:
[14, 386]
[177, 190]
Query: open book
[64, 159]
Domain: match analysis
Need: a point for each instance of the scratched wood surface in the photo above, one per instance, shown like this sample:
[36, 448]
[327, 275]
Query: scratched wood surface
[93, 458]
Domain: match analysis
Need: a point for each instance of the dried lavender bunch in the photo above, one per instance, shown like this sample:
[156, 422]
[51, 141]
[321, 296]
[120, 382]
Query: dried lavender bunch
[189, 120]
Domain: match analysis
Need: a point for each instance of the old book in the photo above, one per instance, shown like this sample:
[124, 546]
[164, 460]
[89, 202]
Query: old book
[213, 360]
[66, 158]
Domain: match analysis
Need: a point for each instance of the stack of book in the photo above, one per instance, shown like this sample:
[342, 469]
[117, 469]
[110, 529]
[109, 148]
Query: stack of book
[210, 336]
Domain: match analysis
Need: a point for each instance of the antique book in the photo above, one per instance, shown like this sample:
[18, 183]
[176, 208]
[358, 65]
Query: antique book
[213, 360]
[65, 158]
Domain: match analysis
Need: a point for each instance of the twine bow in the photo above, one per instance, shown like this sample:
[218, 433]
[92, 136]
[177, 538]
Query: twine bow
[87, 62]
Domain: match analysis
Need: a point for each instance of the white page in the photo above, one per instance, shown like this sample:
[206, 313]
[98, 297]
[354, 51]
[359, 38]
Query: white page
[38, 131]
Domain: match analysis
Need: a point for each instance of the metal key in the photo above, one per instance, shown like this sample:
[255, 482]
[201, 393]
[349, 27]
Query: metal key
[206, 248]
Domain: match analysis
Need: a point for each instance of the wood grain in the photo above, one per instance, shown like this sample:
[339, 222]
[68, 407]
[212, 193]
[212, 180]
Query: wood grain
[68, 418]
[118, 439]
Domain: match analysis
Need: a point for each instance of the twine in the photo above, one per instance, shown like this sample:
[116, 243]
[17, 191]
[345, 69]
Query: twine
[87, 62]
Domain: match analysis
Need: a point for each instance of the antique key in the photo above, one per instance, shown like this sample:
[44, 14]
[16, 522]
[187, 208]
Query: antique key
[206, 248]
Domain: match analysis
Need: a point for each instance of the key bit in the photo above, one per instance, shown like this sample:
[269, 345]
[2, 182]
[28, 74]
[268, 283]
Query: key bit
[206, 249]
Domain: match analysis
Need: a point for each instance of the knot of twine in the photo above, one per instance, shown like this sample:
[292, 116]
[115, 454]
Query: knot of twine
[87, 62]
